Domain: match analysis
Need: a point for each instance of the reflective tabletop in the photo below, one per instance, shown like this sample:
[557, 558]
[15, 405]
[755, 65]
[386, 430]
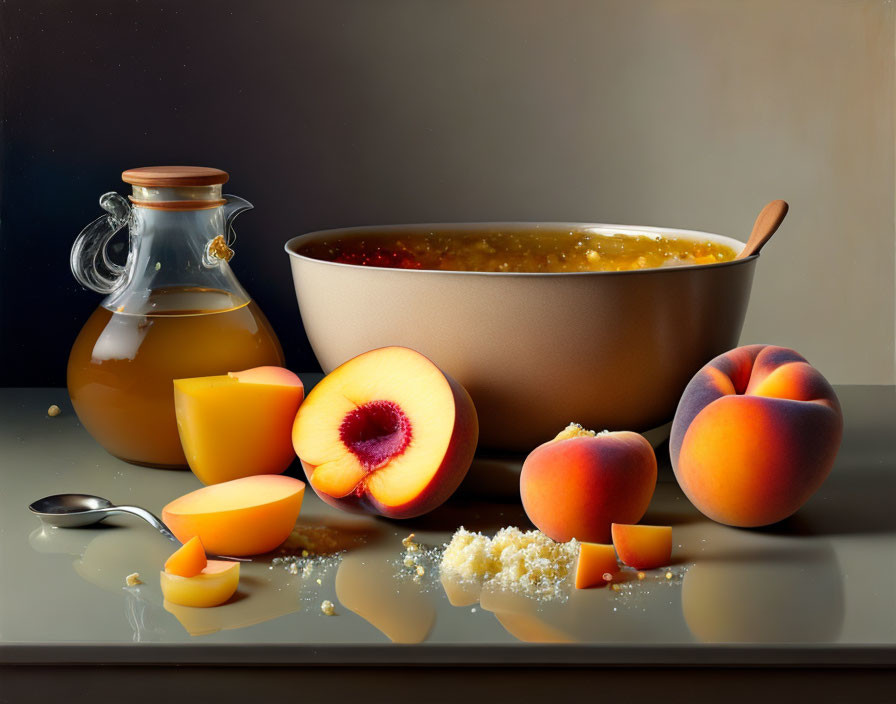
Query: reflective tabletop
[818, 588]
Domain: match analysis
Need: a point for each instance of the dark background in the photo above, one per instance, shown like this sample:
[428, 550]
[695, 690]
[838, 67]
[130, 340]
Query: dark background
[327, 113]
[285, 96]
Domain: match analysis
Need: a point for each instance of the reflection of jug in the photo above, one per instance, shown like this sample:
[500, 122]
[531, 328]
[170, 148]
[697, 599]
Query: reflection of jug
[173, 310]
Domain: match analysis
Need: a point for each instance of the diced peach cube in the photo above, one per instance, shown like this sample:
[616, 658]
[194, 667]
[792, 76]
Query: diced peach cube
[239, 424]
[643, 547]
[595, 561]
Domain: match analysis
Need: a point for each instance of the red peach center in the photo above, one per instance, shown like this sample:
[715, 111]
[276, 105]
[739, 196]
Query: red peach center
[375, 432]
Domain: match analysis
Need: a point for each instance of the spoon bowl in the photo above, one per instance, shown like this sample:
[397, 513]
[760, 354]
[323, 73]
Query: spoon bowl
[71, 510]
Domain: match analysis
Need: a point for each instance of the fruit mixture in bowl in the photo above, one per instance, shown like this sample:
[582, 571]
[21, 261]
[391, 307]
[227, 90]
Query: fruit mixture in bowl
[505, 249]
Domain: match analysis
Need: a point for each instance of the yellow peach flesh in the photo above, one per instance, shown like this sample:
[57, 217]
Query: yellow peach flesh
[211, 587]
[426, 400]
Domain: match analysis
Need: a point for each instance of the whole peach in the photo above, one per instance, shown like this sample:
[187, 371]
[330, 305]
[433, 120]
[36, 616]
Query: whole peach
[755, 434]
[579, 483]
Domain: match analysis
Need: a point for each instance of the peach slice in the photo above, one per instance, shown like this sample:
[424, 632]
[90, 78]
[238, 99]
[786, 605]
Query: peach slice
[239, 424]
[211, 587]
[247, 516]
[188, 560]
[643, 547]
[595, 561]
[387, 433]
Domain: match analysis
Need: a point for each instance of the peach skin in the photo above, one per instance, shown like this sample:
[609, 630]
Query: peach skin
[577, 484]
[386, 433]
[755, 434]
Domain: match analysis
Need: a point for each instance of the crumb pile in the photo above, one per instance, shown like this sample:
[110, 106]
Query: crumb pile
[574, 430]
[526, 562]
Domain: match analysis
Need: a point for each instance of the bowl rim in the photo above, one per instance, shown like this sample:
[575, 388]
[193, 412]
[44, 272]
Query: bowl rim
[291, 245]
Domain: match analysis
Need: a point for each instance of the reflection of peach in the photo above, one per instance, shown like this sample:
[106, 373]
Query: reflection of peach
[576, 485]
[755, 434]
[263, 595]
[776, 594]
[366, 585]
[387, 433]
[589, 615]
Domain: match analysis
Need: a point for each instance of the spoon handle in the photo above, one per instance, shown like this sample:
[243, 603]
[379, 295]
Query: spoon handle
[150, 518]
[156, 523]
[766, 225]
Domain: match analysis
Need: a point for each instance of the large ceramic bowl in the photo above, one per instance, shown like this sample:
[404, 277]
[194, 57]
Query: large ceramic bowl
[536, 351]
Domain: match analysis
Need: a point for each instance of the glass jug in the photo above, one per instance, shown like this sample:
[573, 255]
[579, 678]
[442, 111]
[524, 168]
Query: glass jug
[173, 310]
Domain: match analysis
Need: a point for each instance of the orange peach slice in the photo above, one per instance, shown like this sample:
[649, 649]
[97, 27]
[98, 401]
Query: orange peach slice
[211, 587]
[595, 561]
[577, 484]
[188, 560]
[388, 433]
[246, 516]
[239, 424]
[643, 547]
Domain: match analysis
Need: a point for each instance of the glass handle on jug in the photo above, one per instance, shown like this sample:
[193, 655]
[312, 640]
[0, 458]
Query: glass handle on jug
[90, 258]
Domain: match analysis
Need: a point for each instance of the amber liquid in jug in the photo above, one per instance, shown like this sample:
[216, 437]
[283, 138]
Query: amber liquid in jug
[155, 327]
[121, 367]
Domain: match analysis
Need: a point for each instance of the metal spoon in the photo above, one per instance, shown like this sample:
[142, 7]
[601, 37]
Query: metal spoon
[75, 510]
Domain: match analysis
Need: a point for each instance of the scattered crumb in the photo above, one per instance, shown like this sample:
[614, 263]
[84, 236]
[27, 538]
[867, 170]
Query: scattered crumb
[473, 610]
[327, 607]
[307, 569]
[318, 580]
[54, 411]
[641, 575]
[293, 568]
[409, 543]
[420, 571]
[608, 576]
[615, 587]
[133, 579]
[305, 553]
[526, 562]
[668, 575]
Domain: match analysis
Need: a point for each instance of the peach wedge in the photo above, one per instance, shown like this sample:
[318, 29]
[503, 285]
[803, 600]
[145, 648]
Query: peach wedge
[387, 433]
[188, 560]
[643, 547]
[247, 516]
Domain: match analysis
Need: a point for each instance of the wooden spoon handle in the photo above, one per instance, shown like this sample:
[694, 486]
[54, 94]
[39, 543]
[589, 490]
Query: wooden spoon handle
[765, 226]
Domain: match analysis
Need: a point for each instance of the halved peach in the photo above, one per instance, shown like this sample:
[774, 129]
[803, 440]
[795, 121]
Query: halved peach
[388, 433]
[595, 561]
[643, 547]
[247, 516]
[239, 424]
[188, 560]
[211, 587]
